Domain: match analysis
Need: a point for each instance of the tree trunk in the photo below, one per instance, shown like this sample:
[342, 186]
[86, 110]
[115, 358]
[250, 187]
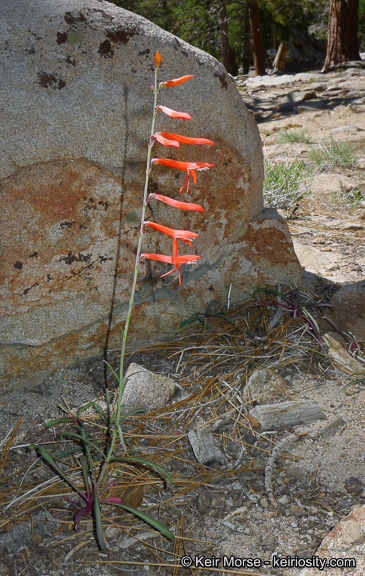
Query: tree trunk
[247, 43]
[342, 44]
[227, 54]
[258, 48]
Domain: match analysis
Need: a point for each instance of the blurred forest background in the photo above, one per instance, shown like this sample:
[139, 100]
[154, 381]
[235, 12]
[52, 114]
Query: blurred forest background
[243, 33]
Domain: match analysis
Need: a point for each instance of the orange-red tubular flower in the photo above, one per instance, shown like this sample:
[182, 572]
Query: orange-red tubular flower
[181, 165]
[165, 137]
[177, 81]
[184, 235]
[165, 141]
[176, 260]
[189, 167]
[176, 203]
[173, 113]
[157, 59]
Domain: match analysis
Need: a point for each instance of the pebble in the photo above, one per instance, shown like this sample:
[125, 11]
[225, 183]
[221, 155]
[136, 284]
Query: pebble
[112, 532]
[268, 542]
[297, 97]
[145, 389]
[347, 128]
[331, 427]
[354, 485]
[294, 472]
[317, 87]
[250, 439]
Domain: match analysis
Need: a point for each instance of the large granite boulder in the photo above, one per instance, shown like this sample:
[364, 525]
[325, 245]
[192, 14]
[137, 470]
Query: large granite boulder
[76, 110]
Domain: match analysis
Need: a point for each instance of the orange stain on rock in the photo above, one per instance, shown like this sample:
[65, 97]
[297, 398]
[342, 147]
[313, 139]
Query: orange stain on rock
[274, 248]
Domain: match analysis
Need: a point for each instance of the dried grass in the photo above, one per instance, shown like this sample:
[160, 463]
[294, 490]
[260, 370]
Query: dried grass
[212, 365]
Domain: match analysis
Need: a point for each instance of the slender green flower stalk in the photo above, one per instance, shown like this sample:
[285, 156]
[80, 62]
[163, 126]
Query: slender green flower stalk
[166, 139]
[136, 266]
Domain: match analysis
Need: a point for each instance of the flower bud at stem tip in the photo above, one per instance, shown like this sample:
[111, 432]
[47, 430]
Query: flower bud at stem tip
[157, 59]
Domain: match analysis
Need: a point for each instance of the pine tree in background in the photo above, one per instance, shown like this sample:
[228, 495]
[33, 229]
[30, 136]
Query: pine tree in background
[227, 53]
[239, 32]
[258, 47]
[343, 23]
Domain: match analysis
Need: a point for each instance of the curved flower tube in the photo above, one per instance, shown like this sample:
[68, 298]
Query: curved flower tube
[181, 165]
[190, 168]
[165, 141]
[184, 235]
[173, 113]
[170, 139]
[176, 81]
[177, 260]
[186, 139]
[176, 203]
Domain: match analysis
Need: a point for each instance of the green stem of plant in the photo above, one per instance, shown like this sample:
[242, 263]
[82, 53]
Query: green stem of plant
[131, 299]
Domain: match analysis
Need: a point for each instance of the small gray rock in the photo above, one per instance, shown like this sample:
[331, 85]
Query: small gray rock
[205, 449]
[268, 542]
[346, 128]
[265, 385]
[331, 427]
[317, 87]
[354, 485]
[297, 97]
[294, 472]
[145, 389]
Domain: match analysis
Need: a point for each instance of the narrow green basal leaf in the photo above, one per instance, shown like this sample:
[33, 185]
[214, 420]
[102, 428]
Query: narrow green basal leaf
[188, 321]
[272, 291]
[88, 460]
[135, 411]
[151, 521]
[62, 455]
[142, 461]
[120, 432]
[310, 317]
[86, 441]
[112, 371]
[221, 315]
[48, 458]
[357, 381]
[60, 421]
[97, 408]
[98, 524]
[83, 462]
